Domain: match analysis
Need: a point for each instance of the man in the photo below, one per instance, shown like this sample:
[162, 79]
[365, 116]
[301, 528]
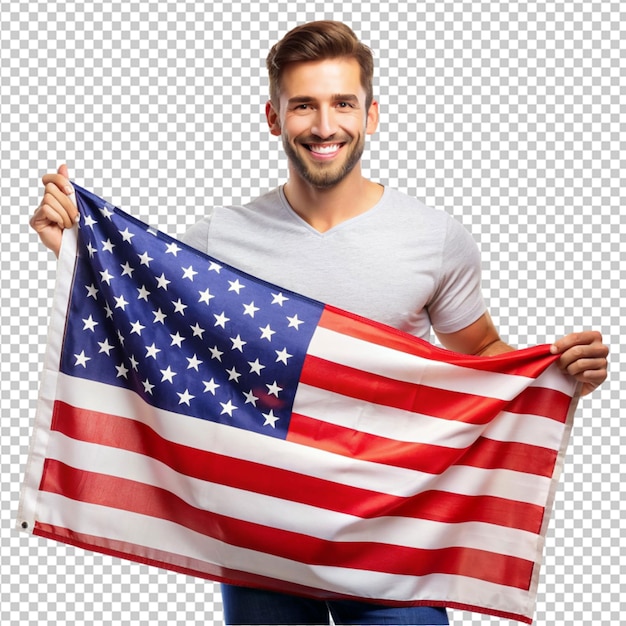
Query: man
[392, 258]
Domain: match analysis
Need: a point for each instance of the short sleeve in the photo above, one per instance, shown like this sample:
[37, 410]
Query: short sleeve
[198, 235]
[457, 300]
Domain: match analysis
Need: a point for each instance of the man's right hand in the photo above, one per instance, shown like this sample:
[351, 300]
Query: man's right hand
[56, 211]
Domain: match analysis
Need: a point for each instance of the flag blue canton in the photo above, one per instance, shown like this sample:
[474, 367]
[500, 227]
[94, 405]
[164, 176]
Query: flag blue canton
[186, 332]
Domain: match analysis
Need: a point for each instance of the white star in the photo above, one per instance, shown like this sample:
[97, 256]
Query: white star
[270, 419]
[120, 337]
[106, 211]
[105, 346]
[210, 386]
[168, 375]
[145, 259]
[255, 366]
[215, 267]
[229, 407]
[177, 340]
[120, 303]
[279, 299]
[215, 353]
[221, 319]
[233, 374]
[238, 343]
[250, 309]
[126, 235]
[137, 327]
[189, 272]
[108, 311]
[143, 293]
[172, 248]
[235, 285]
[81, 359]
[197, 330]
[250, 398]
[91, 250]
[152, 351]
[91, 291]
[267, 332]
[294, 322]
[185, 397]
[205, 296]
[147, 387]
[159, 316]
[89, 221]
[179, 307]
[134, 363]
[108, 246]
[106, 277]
[162, 282]
[274, 389]
[193, 362]
[122, 371]
[282, 356]
[127, 270]
[90, 323]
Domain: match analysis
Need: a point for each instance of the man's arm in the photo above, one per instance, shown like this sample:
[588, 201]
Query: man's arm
[480, 338]
[583, 355]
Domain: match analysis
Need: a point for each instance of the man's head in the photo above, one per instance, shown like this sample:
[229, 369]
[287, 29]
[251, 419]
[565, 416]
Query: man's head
[317, 41]
[321, 101]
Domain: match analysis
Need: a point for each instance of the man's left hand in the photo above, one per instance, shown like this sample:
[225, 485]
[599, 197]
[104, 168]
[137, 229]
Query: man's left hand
[583, 356]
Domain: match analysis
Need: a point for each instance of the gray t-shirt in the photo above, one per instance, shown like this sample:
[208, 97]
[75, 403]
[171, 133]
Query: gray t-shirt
[401, 263]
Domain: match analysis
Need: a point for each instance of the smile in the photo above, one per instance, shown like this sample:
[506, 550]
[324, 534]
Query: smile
[324, 149]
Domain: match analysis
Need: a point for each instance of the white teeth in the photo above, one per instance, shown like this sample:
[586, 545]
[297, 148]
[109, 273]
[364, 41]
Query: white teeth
[324, 149]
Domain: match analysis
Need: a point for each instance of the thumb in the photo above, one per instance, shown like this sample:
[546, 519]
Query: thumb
[64, 171]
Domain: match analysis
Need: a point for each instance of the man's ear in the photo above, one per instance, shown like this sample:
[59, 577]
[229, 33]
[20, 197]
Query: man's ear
[273, 119]
[372, 118]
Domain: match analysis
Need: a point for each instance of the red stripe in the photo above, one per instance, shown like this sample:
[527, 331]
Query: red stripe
[526, 362]
[441, 403]
[194, 567]
[117, 493]
[484, 453]
[127, 434]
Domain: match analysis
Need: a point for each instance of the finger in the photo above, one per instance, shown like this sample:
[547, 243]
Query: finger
[587, 368]
[59, 208]
[64, 171]
[586, 337]
[59, 199]
[61, 181]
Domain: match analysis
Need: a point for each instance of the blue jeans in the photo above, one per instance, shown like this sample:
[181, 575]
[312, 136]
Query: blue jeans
[254, 606]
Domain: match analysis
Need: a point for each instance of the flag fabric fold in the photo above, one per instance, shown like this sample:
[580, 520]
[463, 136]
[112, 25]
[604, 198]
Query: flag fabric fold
[197, 418]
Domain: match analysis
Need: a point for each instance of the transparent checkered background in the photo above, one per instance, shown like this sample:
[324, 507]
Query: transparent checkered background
[509, 115]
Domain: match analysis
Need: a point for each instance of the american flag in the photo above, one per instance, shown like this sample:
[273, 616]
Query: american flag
[194, 417]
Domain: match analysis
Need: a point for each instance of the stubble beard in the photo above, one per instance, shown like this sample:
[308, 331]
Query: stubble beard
[326, 176]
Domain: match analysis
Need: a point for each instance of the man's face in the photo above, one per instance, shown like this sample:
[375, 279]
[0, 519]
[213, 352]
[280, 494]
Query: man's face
[322, 119]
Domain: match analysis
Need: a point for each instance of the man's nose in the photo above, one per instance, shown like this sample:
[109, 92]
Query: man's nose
[324, 125]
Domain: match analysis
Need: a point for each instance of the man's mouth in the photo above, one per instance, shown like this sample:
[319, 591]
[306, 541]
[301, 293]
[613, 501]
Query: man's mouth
[323, 149]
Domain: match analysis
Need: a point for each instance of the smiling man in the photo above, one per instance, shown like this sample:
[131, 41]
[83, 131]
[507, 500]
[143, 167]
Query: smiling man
[340, 238]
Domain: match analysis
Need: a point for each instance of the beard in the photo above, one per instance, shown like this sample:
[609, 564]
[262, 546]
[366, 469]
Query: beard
[325, 176]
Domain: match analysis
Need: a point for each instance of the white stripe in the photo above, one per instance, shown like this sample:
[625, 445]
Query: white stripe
[370, 357]
[401, 425]
[554, 378]
[286, 515]
[241, 444]
[156, 534]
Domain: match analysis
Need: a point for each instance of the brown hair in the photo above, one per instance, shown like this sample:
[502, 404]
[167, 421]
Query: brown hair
[317, 41]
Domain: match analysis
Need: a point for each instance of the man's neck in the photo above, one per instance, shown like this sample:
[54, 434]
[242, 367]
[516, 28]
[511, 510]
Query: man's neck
[324, 209]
